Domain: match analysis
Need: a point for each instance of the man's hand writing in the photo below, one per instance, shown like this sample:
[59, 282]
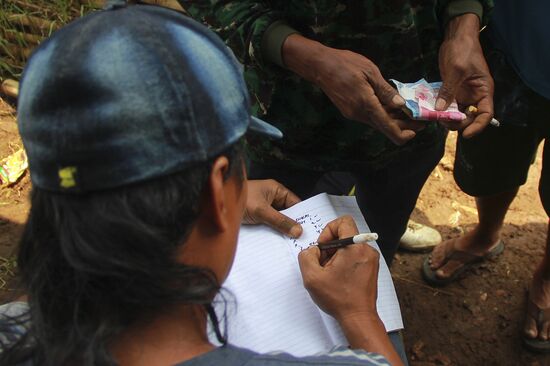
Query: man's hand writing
[346, 284]
[345, 287]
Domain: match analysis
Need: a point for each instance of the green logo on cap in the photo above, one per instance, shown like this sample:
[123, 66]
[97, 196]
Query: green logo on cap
[67, 177]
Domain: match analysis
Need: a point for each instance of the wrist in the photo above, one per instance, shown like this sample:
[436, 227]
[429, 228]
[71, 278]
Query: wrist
[363, 330]
[364, 317]
[366, 331]
[303, 56]
[273, 40]
[463, 26]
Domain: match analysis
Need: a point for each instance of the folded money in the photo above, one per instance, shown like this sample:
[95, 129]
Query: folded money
[420, 100]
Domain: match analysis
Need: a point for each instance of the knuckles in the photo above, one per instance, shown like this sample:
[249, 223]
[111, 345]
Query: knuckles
[459, 66]
[367, 253]
[272, 183]
[347, 218]
[258, 210]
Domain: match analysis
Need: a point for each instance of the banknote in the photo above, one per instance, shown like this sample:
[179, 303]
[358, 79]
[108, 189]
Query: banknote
[420, 100]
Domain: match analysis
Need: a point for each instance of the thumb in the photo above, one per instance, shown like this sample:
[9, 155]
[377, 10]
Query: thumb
[283, 224]
[446, 94]
[387, 95]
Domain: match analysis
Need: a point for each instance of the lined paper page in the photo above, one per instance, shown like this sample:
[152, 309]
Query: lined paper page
[273, 310]
[314, 214]
[387, 303]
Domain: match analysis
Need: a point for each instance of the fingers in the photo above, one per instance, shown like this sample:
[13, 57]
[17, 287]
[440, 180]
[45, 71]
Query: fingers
[479, 123]
[360, 93]
[482, 119]
[403, 120]
[284, 198]
[264, 196]
[341, 227]
[475, 122]
[283, 224]
[361, 255]
[326, 255]
[309, 260]
[356, 252]
[456, 125]
[381, 96]
[384, 91]
[410, 124]
[392, 129]
[447, 92]
[383, 121]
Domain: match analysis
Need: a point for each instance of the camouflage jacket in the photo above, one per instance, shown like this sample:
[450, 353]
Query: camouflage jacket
[402, 37]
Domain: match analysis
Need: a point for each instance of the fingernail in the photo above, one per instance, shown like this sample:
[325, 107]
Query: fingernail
[440, 104]
[296, 231]
[398, 100]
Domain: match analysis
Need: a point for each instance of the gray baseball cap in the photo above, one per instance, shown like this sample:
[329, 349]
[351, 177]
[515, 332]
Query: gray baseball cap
[128, 94]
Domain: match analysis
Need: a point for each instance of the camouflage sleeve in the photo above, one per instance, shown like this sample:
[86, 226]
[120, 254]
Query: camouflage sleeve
[242, 25]
[448, 9]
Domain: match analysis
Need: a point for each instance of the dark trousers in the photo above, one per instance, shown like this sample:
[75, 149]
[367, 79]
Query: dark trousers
[385, 196]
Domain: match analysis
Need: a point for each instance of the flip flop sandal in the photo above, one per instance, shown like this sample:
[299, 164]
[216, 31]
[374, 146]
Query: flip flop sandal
[468, 261]
[541, 316]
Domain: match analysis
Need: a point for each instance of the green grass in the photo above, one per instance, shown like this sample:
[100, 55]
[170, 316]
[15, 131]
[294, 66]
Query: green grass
[7, 272]
[14, 47]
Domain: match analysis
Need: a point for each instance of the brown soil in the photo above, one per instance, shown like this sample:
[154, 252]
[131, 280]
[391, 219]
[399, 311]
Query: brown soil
[475, 321]
[13, 200]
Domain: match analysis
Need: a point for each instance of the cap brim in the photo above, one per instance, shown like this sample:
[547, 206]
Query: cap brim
[263, 128]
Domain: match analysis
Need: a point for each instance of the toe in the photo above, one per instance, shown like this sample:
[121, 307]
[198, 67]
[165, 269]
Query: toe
[440, 273]
[530, 328]
[448, 269]
[437, 258]
[543, 333]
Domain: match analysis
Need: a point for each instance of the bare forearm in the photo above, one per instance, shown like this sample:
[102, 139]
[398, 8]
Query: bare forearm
[352, 82]
[368, 333]
[301, 56]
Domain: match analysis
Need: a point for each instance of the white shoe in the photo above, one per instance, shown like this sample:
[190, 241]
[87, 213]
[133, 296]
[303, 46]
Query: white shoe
[419, 238]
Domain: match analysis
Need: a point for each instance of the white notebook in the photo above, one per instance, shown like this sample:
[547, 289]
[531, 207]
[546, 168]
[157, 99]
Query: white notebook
[270, 310]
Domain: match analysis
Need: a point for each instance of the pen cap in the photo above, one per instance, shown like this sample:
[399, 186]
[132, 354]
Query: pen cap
[361, 238]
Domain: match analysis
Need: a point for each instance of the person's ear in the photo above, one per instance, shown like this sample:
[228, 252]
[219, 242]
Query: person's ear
[217, 185]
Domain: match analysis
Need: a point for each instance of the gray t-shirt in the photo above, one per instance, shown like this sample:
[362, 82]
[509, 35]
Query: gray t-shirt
[231, 355]
[234, 356]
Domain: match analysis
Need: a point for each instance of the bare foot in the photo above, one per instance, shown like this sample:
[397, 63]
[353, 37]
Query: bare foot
[474, 242]
[539, 294]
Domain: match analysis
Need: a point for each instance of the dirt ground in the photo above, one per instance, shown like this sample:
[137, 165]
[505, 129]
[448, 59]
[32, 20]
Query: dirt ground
[475, 321]
[13, 200]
